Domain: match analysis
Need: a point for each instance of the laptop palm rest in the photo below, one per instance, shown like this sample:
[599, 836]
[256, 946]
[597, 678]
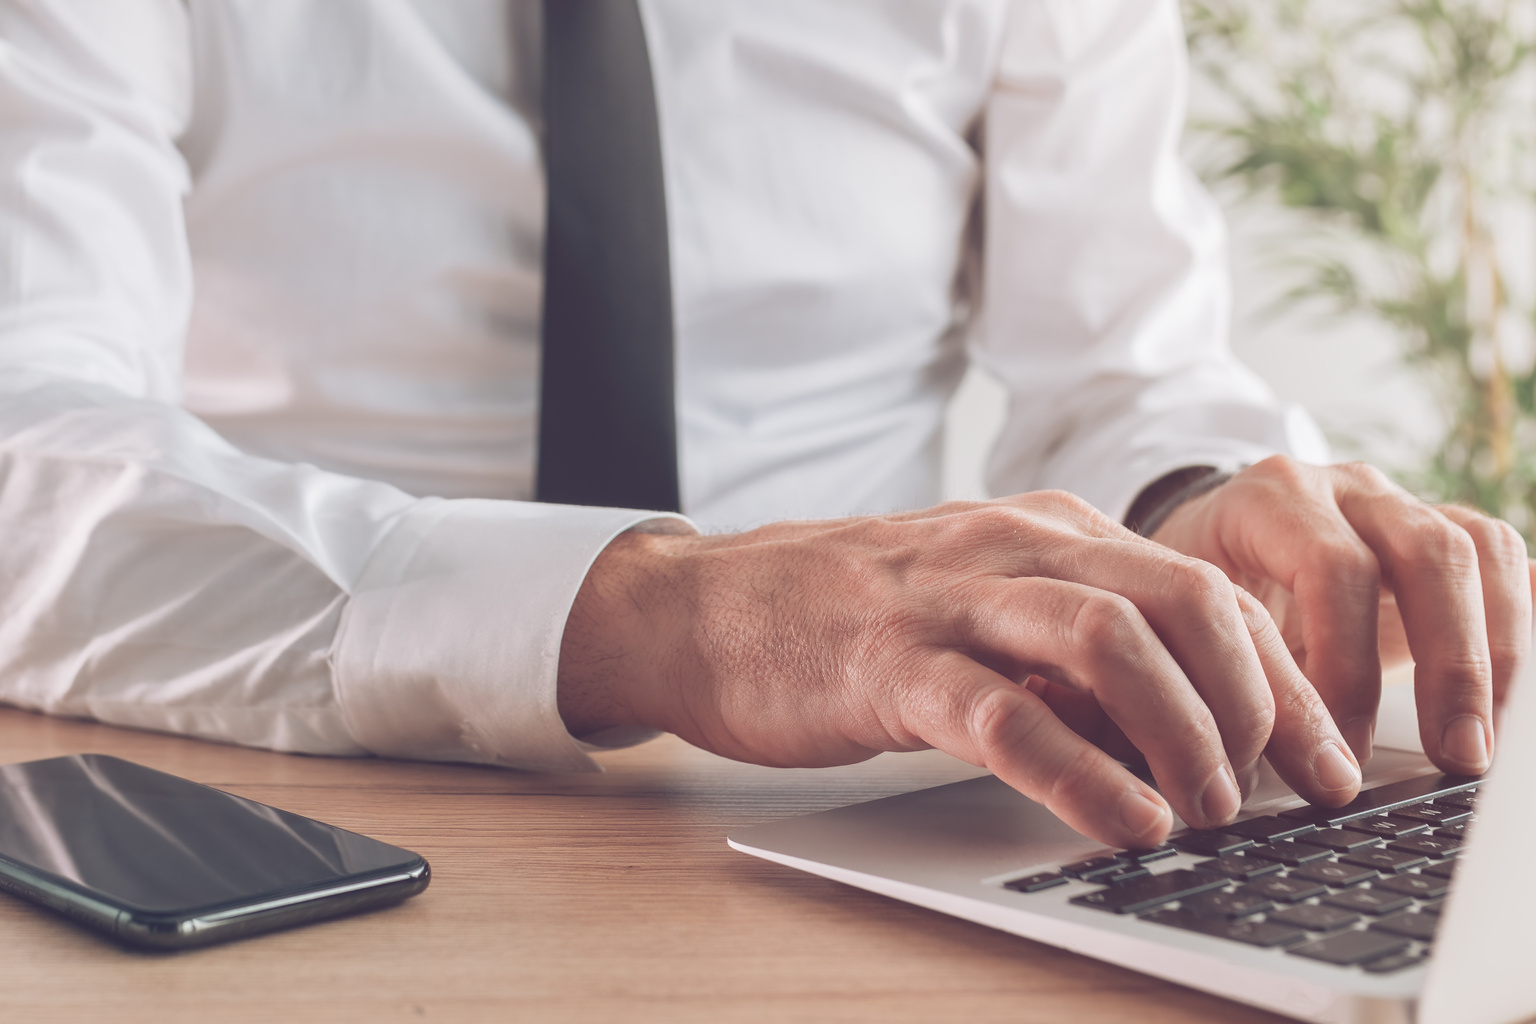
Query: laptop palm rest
[1484, 967]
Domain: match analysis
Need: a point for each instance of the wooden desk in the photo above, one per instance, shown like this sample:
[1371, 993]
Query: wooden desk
[568, 898]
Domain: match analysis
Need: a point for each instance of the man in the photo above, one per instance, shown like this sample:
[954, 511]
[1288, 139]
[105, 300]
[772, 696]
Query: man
[272, 275]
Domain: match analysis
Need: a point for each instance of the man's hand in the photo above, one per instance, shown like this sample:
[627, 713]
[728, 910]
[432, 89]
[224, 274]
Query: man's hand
[1021, 635]
[1350, 566]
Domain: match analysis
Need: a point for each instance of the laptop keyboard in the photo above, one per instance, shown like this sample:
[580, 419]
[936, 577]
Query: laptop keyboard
[1359, 886]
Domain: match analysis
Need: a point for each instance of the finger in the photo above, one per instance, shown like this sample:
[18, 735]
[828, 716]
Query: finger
[1193, 608]
[1305, 746]
[975, 714]
[1098, 642]
[1504, 570]
[1294, 533]
[1431, 565]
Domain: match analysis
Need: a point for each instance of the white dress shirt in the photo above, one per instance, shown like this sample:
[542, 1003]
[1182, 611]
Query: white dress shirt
[269, 327]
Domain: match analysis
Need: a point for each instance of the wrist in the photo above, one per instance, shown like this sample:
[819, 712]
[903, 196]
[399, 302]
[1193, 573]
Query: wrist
[618, 634]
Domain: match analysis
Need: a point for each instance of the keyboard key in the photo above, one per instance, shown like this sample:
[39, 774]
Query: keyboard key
[1388, 862]
[1432, 814]
[1369, 901]
[1337, 839]
[1454, 831]
[1267, 828]
[1424, 887]
[1446, 870]
[1036, 882]
[1395, 962]
[1339, 876]
[1348, 948]
[1285, 890]
[1239, 865]
[1466, 798]
[1387, 828]
[1287, 852]
[1255, 933]
[1129, 872]
[1208, 844]
[1383, 798]
[1226, 904]
[1087, 869]
[1314, 917]
[1428, 846]
[1147, 856]
[1154, 890]
[1409, 924]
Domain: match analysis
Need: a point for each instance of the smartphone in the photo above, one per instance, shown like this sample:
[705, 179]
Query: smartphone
[153, 860]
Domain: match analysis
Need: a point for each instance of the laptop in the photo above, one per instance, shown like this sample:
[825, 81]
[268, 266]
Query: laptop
[1414, 904]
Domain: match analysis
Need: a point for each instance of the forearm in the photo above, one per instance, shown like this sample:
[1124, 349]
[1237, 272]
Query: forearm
[156, 578]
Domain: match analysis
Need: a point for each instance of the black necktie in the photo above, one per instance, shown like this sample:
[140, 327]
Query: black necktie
[607, 422]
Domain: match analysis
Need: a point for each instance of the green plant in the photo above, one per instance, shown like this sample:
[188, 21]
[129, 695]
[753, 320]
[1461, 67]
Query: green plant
[1401, 131]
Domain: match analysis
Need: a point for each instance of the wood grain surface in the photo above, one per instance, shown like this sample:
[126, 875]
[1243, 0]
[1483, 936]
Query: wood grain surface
[568, 898]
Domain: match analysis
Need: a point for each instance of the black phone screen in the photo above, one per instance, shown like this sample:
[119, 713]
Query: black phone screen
[154, 844]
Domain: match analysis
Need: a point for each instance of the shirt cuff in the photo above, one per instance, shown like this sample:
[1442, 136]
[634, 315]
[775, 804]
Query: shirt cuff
[450, 645]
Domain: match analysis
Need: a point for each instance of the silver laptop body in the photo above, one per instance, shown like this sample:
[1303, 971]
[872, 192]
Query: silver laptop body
[952, 849]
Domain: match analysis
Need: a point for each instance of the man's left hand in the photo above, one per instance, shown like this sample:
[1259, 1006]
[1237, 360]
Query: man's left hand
[1354, 568]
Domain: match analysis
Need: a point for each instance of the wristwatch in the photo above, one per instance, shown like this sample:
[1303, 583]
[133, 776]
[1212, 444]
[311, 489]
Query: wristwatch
[1158, 499]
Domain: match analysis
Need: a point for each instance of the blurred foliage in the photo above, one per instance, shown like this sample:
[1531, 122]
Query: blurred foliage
[1401, 132]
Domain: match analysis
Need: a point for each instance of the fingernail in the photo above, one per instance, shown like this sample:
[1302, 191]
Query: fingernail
[1333, 769]
[1221, 800]
[1140, 814]
[1360, 734]
[1465, 740]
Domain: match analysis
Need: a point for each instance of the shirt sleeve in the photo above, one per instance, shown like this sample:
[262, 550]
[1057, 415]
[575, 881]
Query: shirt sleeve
[155, 576]
[1106, 297]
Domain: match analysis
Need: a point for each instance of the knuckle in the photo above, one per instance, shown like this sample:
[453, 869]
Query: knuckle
[1282, 469]
[1066, 501]
[1509, 649]
[1431, 541]
[1105, 622]
[1255, 615]
[952, 507]
[1302, 711]
[1365, 475]
[993, 721]
[1466, 672]
[1510, 544]
[990, 525]
[1202, 588]
[1069, 506]
[1500, 540]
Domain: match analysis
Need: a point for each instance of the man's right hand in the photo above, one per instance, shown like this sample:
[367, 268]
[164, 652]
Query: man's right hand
[1032, 636]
